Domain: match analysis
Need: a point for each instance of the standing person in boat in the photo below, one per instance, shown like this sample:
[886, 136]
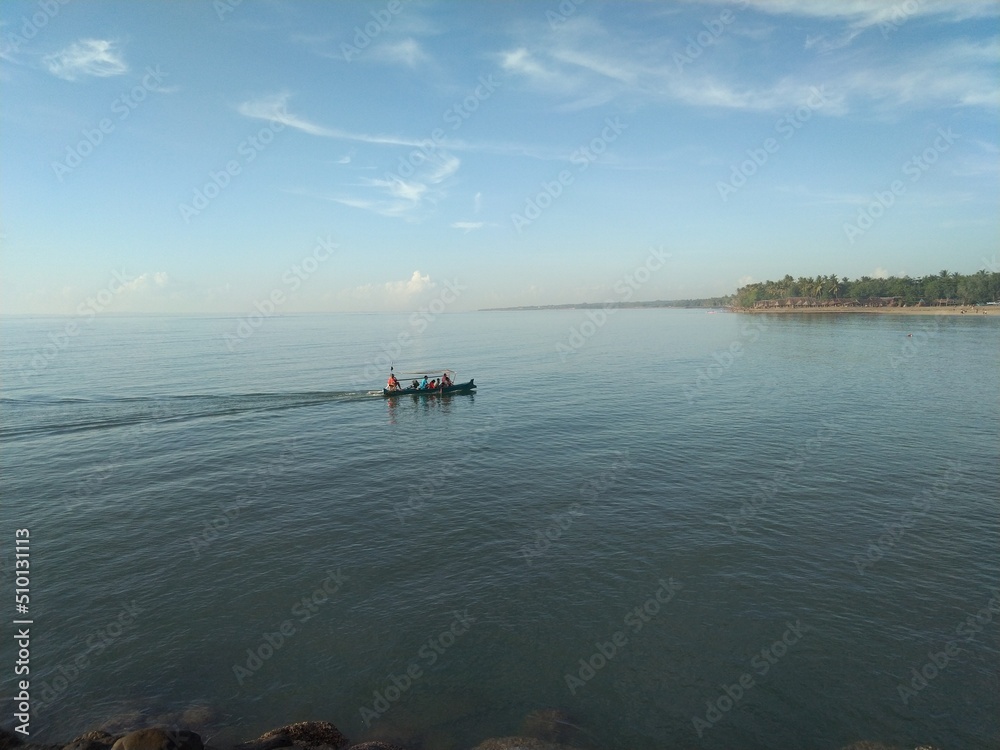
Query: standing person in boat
[445, 380]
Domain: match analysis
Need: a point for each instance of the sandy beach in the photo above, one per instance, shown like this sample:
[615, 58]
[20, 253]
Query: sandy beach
[993, 310]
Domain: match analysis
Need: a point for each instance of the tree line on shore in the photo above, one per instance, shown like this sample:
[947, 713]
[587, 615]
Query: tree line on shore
[942, 288]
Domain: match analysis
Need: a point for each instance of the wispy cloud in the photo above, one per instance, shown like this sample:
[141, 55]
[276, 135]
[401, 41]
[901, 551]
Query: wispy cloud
[867, 13]
[468, 226]
[586, 63]
[88, 57]
[406, 52]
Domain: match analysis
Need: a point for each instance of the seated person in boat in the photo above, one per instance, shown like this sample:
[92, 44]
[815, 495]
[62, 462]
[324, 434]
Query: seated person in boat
[393, 384]
[445, 381]
[414, 385]
[423, 384]
[433, 385]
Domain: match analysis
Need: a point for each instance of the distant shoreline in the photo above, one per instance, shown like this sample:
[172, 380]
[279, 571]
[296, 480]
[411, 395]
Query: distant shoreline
[949, 310]
[973, 310]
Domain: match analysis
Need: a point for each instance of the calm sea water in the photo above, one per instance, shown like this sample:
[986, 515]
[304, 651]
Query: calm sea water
[682, 529]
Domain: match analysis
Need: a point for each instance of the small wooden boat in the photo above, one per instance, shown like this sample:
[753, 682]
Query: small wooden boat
[447, 390]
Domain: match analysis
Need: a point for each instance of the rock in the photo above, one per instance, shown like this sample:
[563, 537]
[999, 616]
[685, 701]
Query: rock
[8, 739]
[159, 739]
[374, 746]
[311, 735]
[86, 745]
[550, 725]
[128, 721]
[98, 735]
[93, 740]
[519, 743]
[199, 714]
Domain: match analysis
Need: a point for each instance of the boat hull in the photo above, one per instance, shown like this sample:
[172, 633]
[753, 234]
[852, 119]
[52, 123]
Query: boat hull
[447, 390]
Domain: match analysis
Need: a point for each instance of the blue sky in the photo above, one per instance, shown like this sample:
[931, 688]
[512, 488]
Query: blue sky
[339, 156]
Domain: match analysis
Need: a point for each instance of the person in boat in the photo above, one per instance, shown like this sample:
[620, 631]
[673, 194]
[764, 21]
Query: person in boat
[414, 385]
[423, 384]
[393, 384]
[433, 386]
[445, 380]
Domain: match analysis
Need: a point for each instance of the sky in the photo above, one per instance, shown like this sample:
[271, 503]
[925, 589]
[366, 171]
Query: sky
[221, 156]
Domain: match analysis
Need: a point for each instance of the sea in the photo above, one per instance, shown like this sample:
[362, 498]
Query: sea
[646, 528]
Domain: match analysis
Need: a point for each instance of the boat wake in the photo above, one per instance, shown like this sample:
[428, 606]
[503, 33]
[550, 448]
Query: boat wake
[24, 417]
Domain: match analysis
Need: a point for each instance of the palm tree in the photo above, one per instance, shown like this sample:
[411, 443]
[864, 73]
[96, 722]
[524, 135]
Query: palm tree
[834, 286]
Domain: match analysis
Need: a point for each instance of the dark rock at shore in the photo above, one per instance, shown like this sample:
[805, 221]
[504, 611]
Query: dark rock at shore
[519, 743]
[94, 740]
[8, 739]
[159, 739]
[127, 721]
[97, 735]
[550, 725]
[311, 735]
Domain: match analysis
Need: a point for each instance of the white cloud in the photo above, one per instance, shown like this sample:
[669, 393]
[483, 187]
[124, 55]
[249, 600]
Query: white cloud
[158, 279]
[406, 52]
[880, 273]
[468, 226]
[394, 295]
[416, 284]
[88, 57]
